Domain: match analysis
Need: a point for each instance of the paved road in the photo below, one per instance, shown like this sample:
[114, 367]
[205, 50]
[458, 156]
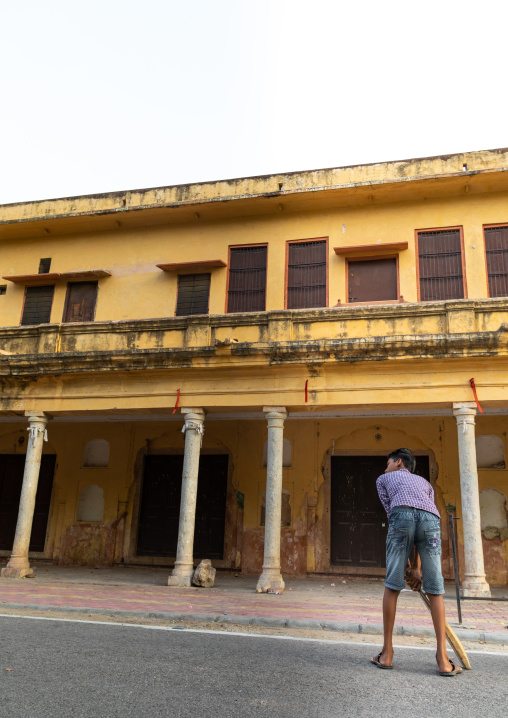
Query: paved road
[86, 670]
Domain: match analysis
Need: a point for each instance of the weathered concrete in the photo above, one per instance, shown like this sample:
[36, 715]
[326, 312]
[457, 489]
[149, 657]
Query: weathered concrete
[271, 577]
[181, 575]
[204, 575]
[474, 583]
[19, 565]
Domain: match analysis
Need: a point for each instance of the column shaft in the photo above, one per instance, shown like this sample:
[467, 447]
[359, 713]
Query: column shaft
[474, 583]
[271, 577]
[19, 565]
[181, 575]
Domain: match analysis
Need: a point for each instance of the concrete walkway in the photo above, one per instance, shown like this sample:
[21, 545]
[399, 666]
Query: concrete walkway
[331, 603]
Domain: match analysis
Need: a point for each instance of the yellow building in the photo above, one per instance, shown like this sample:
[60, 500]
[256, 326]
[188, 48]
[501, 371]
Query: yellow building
[297, 327]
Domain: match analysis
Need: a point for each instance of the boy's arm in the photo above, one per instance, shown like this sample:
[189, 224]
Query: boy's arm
[414, 574]
[383, 494]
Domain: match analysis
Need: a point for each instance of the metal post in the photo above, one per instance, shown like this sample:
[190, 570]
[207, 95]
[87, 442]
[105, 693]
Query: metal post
[455, 568]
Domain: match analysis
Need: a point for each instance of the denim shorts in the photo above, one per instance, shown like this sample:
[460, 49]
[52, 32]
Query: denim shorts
[410, 527]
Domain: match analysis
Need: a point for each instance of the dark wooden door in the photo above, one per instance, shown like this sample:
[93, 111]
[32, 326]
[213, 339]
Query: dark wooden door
[358, 520]
[80, 302]
[11, 480]
[160, 506]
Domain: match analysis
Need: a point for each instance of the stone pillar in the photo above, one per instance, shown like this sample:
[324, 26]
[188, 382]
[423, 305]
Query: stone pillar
[181, 575]
[271, 576]
[474, 583]
[19, 566]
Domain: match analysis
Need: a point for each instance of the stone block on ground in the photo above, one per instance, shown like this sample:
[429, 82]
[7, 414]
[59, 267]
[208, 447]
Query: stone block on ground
[204, 575]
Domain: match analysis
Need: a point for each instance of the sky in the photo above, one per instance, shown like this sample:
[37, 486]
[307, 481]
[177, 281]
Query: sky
[107, 95]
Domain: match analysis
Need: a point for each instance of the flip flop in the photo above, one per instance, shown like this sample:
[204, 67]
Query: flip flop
[377, 663]
[455, 672]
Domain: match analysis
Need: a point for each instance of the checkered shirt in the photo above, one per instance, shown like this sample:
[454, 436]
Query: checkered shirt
[402, 488]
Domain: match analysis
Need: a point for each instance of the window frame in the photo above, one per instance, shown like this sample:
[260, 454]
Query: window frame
[286, 271]
[458, 227]
[184, 273]
[243, 246]
[29, 286]
[484, 227]
[371, 257]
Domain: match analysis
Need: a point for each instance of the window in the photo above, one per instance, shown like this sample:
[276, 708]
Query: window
[306, 274]
[80, 302]
[3, 289]
[440, 265]
[193, 292]
[37, 307]
[496, 250]
[247, 279]
[372, 280]
[45, 265]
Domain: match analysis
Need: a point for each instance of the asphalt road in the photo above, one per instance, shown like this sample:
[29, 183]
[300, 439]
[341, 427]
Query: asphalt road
[86, 670]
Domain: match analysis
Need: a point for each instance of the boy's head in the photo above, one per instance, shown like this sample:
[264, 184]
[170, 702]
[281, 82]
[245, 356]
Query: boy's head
[401, 459]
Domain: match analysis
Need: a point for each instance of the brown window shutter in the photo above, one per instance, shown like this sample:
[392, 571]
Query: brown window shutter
[37, 307]
[440, 263]
[306, 274]
[372, 280]
[193, 293]
[80, 302]
[247, 279]
[496, 248]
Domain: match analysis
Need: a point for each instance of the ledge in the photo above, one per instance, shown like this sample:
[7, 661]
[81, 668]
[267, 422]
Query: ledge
[371, 249]
[200, 266]
[33, 280]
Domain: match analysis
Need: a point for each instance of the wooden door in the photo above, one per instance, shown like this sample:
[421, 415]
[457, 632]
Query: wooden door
[80, 302]
[358, 520]
[160, 506]
[11, 480]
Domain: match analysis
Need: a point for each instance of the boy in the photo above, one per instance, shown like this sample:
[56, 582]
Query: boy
[413, 521]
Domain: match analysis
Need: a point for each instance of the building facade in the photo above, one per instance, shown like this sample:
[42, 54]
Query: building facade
[218, 370]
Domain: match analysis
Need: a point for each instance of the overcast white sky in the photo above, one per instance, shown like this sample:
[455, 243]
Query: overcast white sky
[104, 95]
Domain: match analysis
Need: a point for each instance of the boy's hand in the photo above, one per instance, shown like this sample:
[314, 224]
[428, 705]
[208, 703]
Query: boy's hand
[414, 579]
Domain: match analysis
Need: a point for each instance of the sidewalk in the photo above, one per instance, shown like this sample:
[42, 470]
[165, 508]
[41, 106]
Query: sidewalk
[331, 603]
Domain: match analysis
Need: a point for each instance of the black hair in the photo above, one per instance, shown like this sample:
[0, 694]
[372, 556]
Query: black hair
[407, 457]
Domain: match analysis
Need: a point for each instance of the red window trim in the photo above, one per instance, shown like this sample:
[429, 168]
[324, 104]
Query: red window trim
[286, 271]
[462, 257]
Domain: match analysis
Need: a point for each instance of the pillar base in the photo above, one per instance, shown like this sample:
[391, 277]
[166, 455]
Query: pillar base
[12, 572]
[270, 580]
[476, 589]
[180, 581]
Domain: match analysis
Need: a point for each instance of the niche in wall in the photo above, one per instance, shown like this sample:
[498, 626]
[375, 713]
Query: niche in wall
[489, 452]
[91, 503]
[96, 453]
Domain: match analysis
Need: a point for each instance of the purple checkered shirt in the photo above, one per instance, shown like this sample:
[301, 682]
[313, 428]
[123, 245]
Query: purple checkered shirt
[402, 488]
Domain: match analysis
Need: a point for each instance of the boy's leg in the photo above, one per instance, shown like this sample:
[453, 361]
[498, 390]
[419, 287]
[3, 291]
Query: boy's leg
[437, 610]
[389, 609]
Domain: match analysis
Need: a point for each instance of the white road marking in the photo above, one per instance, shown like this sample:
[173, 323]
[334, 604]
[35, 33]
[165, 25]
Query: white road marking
[235, 633]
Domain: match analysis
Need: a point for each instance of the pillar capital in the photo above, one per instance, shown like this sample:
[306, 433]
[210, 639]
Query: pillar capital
[193, 414]
[464, 408]
[275, 412]
[37, 417]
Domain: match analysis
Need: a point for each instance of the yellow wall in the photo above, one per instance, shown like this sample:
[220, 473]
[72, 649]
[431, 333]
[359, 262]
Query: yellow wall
[137, 289]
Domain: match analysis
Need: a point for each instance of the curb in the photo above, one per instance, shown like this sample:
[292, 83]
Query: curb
[342, 626]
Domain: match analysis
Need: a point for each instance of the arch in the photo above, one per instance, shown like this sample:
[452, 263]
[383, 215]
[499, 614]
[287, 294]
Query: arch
[91, 503]
[287, 453]
[96, 453]
[489, 452]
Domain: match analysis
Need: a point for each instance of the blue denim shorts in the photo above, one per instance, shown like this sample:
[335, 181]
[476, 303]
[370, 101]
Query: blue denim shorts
[410, 527]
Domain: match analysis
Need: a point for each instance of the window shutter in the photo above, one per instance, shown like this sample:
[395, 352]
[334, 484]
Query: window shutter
[440, 263]
[247, 279]
[372, 280]
[306, 274]
[37, 308]
[193, 292]
[496, 248]
[80, 302]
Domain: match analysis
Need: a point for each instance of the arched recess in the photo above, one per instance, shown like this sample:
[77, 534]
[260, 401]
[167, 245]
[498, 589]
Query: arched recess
[372, 440]
[91, 503]
[489, 452]
[96, 453]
